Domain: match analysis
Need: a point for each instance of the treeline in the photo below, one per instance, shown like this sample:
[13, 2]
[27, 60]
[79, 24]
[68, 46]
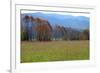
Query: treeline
[41, 30]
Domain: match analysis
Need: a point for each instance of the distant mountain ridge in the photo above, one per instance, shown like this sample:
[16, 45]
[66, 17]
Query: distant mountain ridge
[76, 22]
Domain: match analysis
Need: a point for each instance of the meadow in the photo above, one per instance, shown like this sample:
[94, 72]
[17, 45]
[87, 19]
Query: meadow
[54, 51]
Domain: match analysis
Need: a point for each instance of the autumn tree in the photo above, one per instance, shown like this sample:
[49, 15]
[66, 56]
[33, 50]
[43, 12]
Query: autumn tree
[44, 30]
[59, 33]
[27, 25]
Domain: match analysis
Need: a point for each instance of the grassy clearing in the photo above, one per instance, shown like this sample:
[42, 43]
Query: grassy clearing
[54, 51]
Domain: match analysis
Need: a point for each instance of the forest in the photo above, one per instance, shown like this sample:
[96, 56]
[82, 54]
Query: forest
[39, 29]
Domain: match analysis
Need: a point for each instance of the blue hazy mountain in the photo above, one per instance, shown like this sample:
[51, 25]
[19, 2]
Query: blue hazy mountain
[76, 22]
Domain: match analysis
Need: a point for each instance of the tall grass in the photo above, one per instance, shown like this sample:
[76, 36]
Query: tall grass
[54, 51]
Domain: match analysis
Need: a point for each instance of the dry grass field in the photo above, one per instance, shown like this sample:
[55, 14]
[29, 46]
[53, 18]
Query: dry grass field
[54, 51]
